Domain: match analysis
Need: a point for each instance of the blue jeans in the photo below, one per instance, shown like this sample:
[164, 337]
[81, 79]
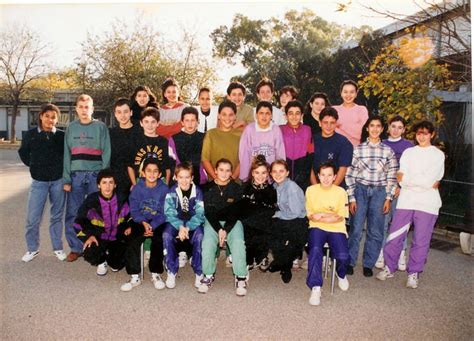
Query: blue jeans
[83, 183]
[37, 197]
[369, 200]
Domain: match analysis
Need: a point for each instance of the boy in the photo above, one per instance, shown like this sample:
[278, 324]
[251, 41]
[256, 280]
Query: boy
[184, 210]
[86, 152]
[262, 137]
[236, 94]
[100, 224]
[149, 145]
[287, 94]
[223, 141]
[264, 91]
[147, 201]
[421, 169]
[207, 112]
[121, 142]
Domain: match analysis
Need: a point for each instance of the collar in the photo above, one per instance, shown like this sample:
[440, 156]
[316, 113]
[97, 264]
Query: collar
[52, 130]
[270, 127]
[394, 140]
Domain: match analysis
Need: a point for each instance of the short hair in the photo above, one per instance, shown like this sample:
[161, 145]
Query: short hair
[170, 81]
[397, 118]
[235, 85]
[227, 104]
[105, 173]
[264, 82]
[348, 82]
[258, 161]
[150, 111]
[84, 98]
[264, 104]
[204, 89]
[189, 110]
[327, 164]
[224, 160]
[186, 165]
[424, 125]
[328, 111]
[292, 104]
[151, 95]
[291, 89]
[151, 161]
[45, 108]
[280, 162]
[122, 101]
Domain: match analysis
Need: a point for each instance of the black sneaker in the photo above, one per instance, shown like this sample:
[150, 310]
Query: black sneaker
[349, 270]
[368, 272]
[273, 267]
[286, 276]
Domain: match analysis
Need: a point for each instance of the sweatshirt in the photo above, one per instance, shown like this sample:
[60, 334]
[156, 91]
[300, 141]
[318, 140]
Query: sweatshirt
[350, 122]
[291, 200]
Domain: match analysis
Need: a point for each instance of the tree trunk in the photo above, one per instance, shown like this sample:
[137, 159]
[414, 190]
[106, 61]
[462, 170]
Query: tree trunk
[13, 122]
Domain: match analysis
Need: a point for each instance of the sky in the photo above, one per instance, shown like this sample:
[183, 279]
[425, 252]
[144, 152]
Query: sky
[65, 24]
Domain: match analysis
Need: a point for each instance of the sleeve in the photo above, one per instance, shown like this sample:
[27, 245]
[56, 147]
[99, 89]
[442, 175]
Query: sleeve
[135, 210]
[298, 205]
[172, 150]
[198, 218]
[431, 174]
[106, 148]
[24, 151]
[124, 217]
[83, 225]
[351, 176]
[244, 154]
[280, 145]
[160, 217]
[343, 209]
[67, 159]
[171, 212]
[206, 148]
[309, 204]
[345, 156]
[231, 219]
[391, 175]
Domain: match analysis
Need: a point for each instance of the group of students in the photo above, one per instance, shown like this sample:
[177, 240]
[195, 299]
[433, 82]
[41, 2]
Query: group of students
[193, 179]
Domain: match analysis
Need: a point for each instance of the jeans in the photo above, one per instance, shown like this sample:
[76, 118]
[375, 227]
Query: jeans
[83, 183]
[37, 197]
[370, 200]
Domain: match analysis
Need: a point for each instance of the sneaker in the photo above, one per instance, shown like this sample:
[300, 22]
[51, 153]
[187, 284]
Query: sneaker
[134, 281]
[380, 263]
[29, 256]
[113, 269]
[349, 270]
[157, 281]
[315, 298]
[206, 283]
[72, 256]
[183, 259]
[384, 274]
[367, 272]
[402, 261]
[240, 286]
[171, 280]
[286, 276]
[343, 283]
[264, 264]
[412, 281]
[60, 255]
[228, 262]
[102, 269]
[197, 281]
[296, 264]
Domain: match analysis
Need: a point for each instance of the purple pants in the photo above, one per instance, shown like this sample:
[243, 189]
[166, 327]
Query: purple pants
[171, 255]
[423, 224]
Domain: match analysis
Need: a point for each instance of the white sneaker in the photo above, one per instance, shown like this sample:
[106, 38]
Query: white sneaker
[296, 264]
[183, 259]
[134, 281]
[29, 256]
[60, 255]
[384, 274]
[102, 269]
[315, 298]
[197, 281]
[205, 284]
[228, 262]
[412, 281]
[402, 261]
[343, 283]
[380, 264]
[171, 280]
[240, 287]
[157, 281]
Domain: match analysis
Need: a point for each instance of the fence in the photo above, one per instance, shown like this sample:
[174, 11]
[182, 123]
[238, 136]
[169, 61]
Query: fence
[457, 202]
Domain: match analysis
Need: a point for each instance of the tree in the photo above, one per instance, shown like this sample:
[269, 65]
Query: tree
[22, 61]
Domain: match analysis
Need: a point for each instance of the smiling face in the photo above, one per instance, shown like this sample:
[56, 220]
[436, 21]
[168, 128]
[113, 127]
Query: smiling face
[205, 100]
[374, 129]
[348, 93]
[328, 126]
[424, 137]
[293, 116]
[149, 124]
[279, 173]
[190, 123]
[226, 118]
[237, 96]
[142, 98]
[264, 117]
[396, 129]
[84, 110]
[106, 187]
[326, 177]
[223, 172]
[184, 179]
[172, 94]
[260, 175]
[317, 105]
[285, 98]
[151, 174]
[265, 93]
[123, 114]
[48, 119]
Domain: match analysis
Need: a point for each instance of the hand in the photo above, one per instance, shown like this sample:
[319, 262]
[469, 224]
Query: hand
[436, 185]
[91, 240]
[67, 187]
[386, 206]
[317, 216]
[222, 236]
[148, 230]
[399, 177]
[127, 231]
[397, 193]
[183, 233]
[352, 207]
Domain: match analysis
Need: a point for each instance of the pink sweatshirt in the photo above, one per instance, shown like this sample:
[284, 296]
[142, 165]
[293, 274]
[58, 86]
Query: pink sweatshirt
[351, 121]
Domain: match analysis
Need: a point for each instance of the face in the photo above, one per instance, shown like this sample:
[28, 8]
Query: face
[396, 129]
[294, 117]
[279, 173]
[348, 93]
[172, 94]
[227, 118]
[328, 126]
[205, 100]
[184, 179]
[265, 93]
[236, 96]
[149, 125]
[49, 119]
[326, 177]
[122, 114]
[285, 98]
[317, 106]
[264, 117]
[423, 137]
[84, 110]
[260, 175]
[223, 172]
[142, 98]
[375, 129]
[189, 123]
[151, 173]
[107, 186]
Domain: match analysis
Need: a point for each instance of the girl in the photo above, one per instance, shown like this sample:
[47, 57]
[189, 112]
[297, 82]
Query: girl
[315, 105]
[170, 111]
[351, 116]
[141, 98]
[289, 226]
[42, 150]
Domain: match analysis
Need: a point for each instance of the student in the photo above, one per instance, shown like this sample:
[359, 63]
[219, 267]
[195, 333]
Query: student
[86, 152]
[326, 207]
[371, 183]
[187, 144]
[331, 146]
[289, 225]
[101, 222]
[396, 129]
[207, 112]
[421, 170]
[121, 143]
[184, 210]
[147, 201]
[141, 98]
[220, 229]
[236, 94]
[262, 137]
[264, 91]
[42, 150]
[149, 145]
[351, 116]
[315, 105]
[170, 110]
[298, 144]
[287, 94]
[222, 142]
